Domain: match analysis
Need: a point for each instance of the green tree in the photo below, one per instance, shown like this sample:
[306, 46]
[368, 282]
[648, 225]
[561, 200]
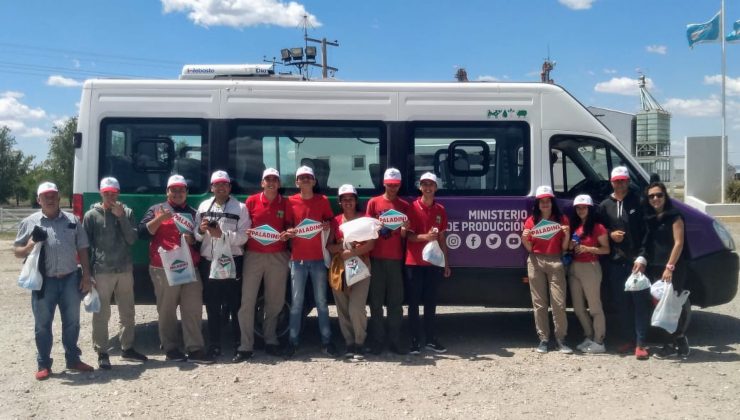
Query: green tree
[13, 167]
[59, 162]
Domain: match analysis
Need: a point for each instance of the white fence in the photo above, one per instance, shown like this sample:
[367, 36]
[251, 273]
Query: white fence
[11, 217]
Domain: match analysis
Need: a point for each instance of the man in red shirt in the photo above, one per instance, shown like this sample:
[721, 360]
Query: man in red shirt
[386, 285]
[267, 257]
[311, 215]
[427, 223]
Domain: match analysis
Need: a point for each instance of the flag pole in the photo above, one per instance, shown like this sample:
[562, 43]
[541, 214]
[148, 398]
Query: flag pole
[724, 123]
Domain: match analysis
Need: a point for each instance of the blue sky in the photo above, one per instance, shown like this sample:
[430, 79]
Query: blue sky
[47, 48]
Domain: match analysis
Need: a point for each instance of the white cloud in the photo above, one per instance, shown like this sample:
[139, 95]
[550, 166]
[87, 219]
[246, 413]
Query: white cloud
[12, 108]
[487, 78]
[694, 107]
[732, 85]
[610, 71]
[241, 13]
[657, 49]
[61, 81]
[577, 4]
[35, 132]
[60, 121]
[622, 86]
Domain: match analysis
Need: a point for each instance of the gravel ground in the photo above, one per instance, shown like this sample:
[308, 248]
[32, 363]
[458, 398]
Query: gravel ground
[490, 371]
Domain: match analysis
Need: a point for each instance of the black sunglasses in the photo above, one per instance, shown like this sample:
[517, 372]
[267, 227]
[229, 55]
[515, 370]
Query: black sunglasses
[656, 195]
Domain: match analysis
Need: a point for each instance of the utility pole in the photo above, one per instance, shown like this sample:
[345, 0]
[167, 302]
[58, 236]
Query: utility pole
[295, 56]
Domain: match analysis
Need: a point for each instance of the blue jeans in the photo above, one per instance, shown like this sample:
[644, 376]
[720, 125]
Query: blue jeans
[65, 293]
[299, 272]
[634, 308]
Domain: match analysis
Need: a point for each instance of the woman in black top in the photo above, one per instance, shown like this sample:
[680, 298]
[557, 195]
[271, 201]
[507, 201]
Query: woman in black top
[663, 253]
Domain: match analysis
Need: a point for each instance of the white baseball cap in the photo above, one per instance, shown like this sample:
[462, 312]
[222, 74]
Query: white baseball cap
[392, 176]
[428, 176]
[46, 187]
[177, 181]
[270, 172]
[583, 200]
[544, 191]
[346, 189]
[109, 184]
[304, 170]
[620, 172]
[220, 176]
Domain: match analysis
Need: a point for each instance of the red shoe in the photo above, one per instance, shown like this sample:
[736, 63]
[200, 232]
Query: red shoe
[641, 353]
[626, 348]
[81, 366]
[43, 374]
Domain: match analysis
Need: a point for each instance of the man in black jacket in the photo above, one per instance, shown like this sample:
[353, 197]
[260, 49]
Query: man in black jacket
[622, 215]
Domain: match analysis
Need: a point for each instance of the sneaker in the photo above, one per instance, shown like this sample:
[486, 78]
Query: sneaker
[200, 357]
[584, 345]
[436, 347]
[359, 352]
[543, 347]
[330, 350]
[104, 361]
[272, 349]
[563, 348]
[415, 347]
[80, 366]
[131, 355]
[595, 348]
[668, 350]
[214, 351]
[289, 351]
[175, 356]
[626, 348]
[641, 353]
[349, 352]
[43, 374]
[242, 356]
[682, 347]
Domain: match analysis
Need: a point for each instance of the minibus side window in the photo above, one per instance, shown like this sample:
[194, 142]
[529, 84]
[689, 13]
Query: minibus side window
[473, 158]
[338, 152]
[143, 153]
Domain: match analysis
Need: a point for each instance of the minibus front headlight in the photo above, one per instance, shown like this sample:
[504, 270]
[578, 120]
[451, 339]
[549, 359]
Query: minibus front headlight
[724, 235]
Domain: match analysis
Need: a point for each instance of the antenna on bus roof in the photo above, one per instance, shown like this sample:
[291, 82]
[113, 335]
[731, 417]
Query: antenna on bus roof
[547, 67]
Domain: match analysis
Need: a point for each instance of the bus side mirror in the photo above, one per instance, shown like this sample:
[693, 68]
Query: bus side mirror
[654, 177]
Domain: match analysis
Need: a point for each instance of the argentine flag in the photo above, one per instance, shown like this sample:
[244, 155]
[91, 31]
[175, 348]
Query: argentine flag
[703, 32]
[734, 36]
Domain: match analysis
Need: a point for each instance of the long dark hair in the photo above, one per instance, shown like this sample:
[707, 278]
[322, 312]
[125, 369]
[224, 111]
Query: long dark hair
[537, 213]
[649, 210]
[588, 227]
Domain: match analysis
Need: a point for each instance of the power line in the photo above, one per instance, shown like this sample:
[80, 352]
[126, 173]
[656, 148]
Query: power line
[90, 54]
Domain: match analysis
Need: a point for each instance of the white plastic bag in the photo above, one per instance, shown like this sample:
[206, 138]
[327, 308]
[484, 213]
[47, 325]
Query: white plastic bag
[636, 281]
[657, 289]
[355, 270]
[668, 310]
[326, 254]
[91, 301]
[432, 253]
[178, 264]
[360, 229]
[223, 265]
[30, 277]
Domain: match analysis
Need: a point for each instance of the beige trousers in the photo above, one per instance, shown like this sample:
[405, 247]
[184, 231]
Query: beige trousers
[585, 282]
[546, 273]
[273, 268]
[190, 299]
[351, 311]
[122, 284]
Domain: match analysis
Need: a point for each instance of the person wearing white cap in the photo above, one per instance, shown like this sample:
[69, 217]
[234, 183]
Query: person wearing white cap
[546, 235]
[311, 215]
[589, 240]
[266, 264]
[221, 217]
[163, 225]
[63, 240]
[350, 300]
[622, 215]
[386, 287]
[427, 223]
[111, 230]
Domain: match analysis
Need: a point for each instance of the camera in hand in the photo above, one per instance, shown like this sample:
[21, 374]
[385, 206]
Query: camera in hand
[39, 234]
[212, 224]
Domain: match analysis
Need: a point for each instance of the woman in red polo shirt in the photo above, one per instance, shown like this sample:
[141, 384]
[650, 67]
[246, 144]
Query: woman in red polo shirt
[546, 235]
[589, 241]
